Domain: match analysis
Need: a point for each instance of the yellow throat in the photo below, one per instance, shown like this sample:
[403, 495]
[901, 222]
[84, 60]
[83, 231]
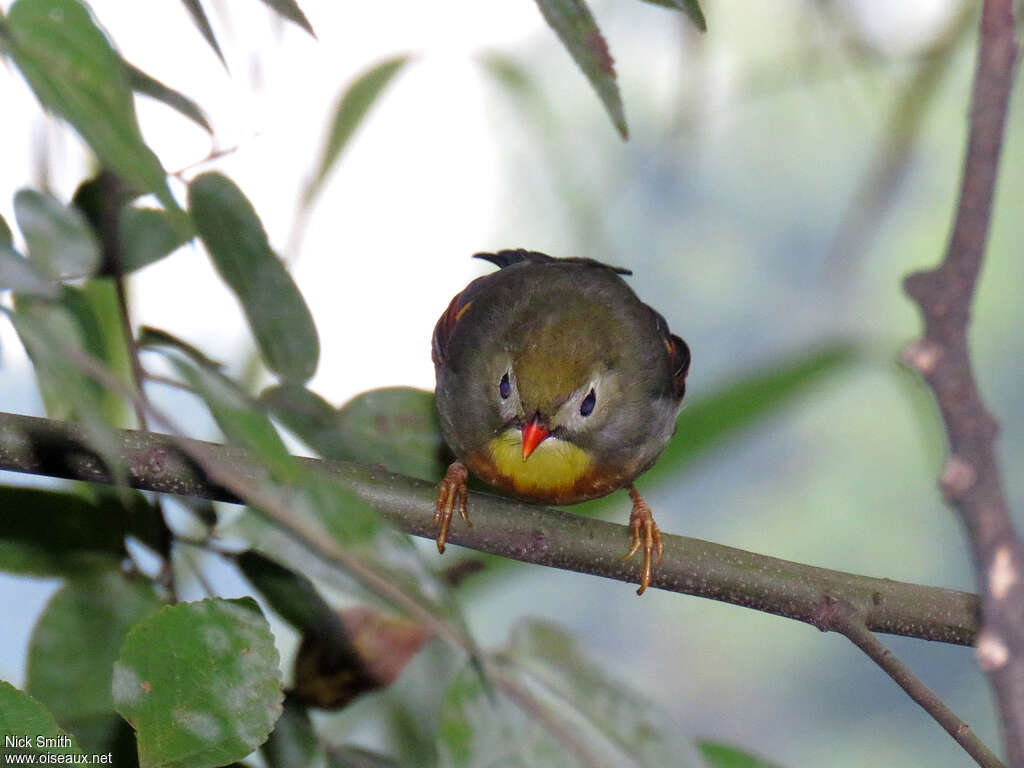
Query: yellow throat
[555, 465]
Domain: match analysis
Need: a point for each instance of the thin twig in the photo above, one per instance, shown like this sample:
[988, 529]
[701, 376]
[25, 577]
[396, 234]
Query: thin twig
[512, 529]
[840, 616]
[971, 481]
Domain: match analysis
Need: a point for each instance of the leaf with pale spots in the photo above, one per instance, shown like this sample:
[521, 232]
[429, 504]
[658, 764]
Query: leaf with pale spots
[21, 715]
[200, 683]
[77, 638]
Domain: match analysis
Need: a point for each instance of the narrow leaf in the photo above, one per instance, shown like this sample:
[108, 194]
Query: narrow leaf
[549, 655]
[147, 235]
[150, 86]
[739, 405]
[355, 102]
[690, 7]
[195, 10]
[394, 426]
[290, 10]
[199, 682]
[719, 755]
[156, 338]
[60, 241]
[293, 743]
[51, 333]
[98, 314]
[51, 533]
[237, 243]
[5, 233]
[22, 716]
[292, 595]
[576, 28]
[77, 639]
[17, 274]
[76, 73]
[346, 517]
[241, 420]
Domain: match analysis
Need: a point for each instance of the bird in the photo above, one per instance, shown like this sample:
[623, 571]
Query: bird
[556, 384]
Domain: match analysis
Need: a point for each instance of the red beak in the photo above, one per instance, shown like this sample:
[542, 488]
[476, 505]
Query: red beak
[533, 435]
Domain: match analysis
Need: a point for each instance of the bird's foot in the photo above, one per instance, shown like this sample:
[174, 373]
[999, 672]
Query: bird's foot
[451, 494]
[645, 533]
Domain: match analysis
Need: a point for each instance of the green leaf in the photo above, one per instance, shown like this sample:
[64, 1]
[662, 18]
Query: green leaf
[60, 241]
[293, 743]
[76, 73]
[199, 682]
[719, 755]
[195, 10]
[477, 730]
[241, 419]
[237, 243]
[51, 533]
[147, 84]
[53, 337]
[355, 102]
[22, 715]
[576, 28]
[77, 639]
[98, 313]
[741, 404]
[690, 7]
[48, 533]
[244, 423]
[292, 596]
[551, 707]
[5, 233]
[17, 274]
[394, 426]
[156, 338]
[148, 235]
[290, 10]
[548, 655]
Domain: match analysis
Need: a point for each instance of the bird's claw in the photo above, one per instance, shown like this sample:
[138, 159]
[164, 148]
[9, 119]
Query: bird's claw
[450, 494]
[645, 533]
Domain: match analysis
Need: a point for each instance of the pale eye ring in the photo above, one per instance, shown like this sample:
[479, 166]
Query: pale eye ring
[587, 406]
[505, 387]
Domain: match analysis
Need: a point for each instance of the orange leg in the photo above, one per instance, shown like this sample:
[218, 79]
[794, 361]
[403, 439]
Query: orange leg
[451, 494]
[645, 532]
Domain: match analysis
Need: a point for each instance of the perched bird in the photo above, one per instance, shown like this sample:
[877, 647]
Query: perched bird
[555, 384]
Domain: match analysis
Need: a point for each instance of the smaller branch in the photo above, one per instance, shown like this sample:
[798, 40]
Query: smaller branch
[840, 616]
[971, 479]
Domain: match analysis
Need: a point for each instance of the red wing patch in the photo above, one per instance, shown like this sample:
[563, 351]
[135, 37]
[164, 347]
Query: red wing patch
[445, 326]
[679, 354]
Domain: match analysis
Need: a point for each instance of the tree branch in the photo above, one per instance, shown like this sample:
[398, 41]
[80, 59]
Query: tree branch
[971, 481]
[520, 531]
[840, 616]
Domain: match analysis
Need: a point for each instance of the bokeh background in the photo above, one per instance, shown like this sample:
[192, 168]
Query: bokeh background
[784, 171]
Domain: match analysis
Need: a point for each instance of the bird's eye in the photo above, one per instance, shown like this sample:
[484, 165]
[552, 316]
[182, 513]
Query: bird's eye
[505, 387]
[587, 406]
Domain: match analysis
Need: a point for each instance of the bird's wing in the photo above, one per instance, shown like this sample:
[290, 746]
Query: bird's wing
[678, 354]
[508, 258]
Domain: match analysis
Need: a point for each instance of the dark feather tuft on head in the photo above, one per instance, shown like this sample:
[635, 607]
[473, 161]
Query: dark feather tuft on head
[504, 259]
